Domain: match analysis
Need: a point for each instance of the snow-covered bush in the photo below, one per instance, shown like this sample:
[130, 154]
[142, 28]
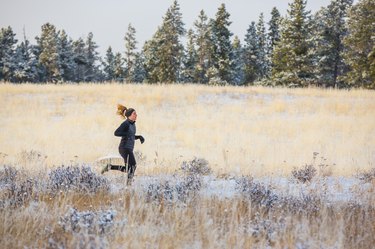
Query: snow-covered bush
[16, 189]
[87, 221]
[81, 179]
[304, 174]
[197, 166]
[366, 176]
[256, 192]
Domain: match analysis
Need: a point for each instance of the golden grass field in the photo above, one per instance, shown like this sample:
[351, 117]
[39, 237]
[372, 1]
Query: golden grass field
[239, 130]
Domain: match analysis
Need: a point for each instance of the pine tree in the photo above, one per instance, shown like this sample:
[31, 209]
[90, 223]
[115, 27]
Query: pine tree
[163, 53]
[360, 45]
[251, 55]
[26, 63]
[330, 30]
[203, 45]
[92, 57]
[292, 57]
[49, 58]
[151, 57]
[139, 74]
[273, 35]
[222, 54]
[238, 62]
[130, 53]
[80, 60]
[263, 64]
[189, 60]
[109, 65]
[7, 49]
[273, 30]
[66, 56]
[119, 70]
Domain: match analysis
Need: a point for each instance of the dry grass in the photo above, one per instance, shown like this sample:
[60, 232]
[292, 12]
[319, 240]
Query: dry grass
[238, 130]
[255, 218]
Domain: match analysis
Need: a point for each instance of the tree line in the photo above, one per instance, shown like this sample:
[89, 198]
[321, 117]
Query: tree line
[334, 47]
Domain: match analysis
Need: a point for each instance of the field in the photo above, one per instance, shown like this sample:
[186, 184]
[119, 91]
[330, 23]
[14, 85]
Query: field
[221, 167]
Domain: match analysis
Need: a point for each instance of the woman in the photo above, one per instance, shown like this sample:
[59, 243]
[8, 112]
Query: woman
[127, 132]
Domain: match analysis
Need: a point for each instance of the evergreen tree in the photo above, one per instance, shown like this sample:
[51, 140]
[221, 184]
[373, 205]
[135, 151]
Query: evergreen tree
[360, 45]
[139, 74]
[92, 57]
[251, 55]
[66, 56]
[26, 63]
[273, 35]
[190, 60]
[7, 49]
[80, 60]
[49, 53]
[222, 54]
[273, 30]
[163, 54]
[330, 30]
[130, 53]
[238, 62]
[119, 70]
[263, 64]
[109, 65]
[151, 57]
[292, 57]
[203, 45]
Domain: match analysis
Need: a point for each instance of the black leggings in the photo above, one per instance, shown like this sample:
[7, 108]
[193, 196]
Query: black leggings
[129, 160]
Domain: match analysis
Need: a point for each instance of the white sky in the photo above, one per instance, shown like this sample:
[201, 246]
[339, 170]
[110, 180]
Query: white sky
[108, 19]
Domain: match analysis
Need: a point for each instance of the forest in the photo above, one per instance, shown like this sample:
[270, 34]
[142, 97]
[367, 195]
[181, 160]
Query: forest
[333, 48]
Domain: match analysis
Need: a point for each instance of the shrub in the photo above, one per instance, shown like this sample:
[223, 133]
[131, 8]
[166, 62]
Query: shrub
[366, 176]
[87, 221]
[76, 178]
[256, 192]
[197, 166]
[305, 174]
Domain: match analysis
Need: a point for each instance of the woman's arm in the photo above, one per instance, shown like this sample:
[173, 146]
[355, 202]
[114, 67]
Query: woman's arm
[122, 130]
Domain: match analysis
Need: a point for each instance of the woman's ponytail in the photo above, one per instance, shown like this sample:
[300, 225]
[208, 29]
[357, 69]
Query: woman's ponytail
[121, 110]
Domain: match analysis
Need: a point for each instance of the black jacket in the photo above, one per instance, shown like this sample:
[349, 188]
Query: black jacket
[127, 132]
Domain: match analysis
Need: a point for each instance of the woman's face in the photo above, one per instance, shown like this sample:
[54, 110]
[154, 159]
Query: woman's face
[133, 116]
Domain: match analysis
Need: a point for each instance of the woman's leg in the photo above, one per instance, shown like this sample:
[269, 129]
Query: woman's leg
[132, 166]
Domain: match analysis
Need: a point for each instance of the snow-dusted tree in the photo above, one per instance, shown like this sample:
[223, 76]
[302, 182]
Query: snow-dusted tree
[92, 57]
[360, 45]
[329, 31]
[7, 49]
[203, 45]
[109, 65]
[163, 53]
[79, 60]
[139, 73]
[66, 56]
[151, 58]
[49, 57]
[119, 70]
[130, 53]
[251, 55]
[273, 34]
[292, 56]
[263, 64]
[189, 60]
[238, 62]
[26, 63]
[222, 51]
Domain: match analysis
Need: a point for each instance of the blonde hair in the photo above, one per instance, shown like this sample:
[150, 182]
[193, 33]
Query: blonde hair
[121, 110]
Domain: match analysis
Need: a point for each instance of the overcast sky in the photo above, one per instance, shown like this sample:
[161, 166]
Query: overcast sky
[108, 19]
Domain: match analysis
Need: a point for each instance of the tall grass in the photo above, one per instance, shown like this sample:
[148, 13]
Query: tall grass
[149, 217]
[239, 130]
